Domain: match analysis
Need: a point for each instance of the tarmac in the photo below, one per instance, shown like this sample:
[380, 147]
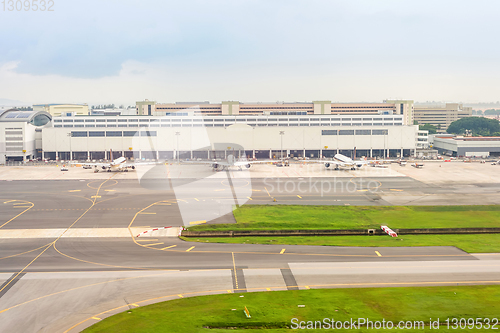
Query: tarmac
[70, 255]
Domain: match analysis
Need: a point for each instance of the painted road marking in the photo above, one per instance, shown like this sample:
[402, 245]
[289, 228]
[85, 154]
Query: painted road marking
[267, 191]
[148, 213]
[192, 247]
[168, 247]
[135, 304]
[378, 253]
[299, 196]
[180, 295]
[256, 190]
[74, 190]
[362, 190]
[307, 287]
[147, 240]
[196, 199]
[229, 291]
[96, 318]
[154, 244]
[22, 206]
[268, 289]
[95, 196]
[110, 190]
[249, 198]
[393, 189]
[198, 222]
[282, 251]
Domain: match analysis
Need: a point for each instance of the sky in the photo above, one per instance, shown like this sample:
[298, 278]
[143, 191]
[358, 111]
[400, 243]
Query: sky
[107, 51]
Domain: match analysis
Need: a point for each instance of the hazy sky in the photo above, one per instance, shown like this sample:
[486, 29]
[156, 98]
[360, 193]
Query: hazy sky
[349, 51]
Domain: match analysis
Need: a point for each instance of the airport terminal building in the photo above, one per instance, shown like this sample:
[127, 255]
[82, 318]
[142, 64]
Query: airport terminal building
[212, 131]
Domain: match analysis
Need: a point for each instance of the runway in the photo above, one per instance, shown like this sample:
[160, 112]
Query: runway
[63, 284]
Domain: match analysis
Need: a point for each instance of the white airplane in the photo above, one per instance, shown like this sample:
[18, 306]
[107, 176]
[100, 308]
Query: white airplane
[230, 162]
[340, 161]
[118, 164]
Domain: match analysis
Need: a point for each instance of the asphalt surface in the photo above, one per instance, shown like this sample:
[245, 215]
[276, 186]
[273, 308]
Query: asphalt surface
[66, 284]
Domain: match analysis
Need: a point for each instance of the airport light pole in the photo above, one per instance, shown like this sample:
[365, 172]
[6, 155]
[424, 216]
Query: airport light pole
[70, 152]
[178, 157]
[281, 136]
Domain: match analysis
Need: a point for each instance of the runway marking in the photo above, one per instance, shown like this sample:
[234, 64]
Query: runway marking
[147, 240]
[198, 222]
[378, 253]
[168, 247]
[135, 304]
[393, 189]
[256, 190]
[180, 295]
[229, 291]
[299, 196]
[147, 245]
[267, 191]
[196, 199]
[220, 190]
[268, 289]
[95, 196]
[21, 213]
[148, 213]
[192, 247]
[234, 270]
[110, 190]
[282, 251]
[96, 318]
[362, 190]
[307, 287]
[74, 190]
[22, 206]
[249, 198]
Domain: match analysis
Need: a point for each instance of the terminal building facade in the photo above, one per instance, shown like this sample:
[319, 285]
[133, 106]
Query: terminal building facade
[212, 131]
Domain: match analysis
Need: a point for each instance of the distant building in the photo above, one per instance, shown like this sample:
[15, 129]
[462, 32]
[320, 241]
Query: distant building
[21, 134]
[441, 116]
[63, 109]
[466, 146]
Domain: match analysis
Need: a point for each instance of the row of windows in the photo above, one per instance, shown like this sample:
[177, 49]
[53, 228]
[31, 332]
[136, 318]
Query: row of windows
[226, 124]
[111, 133]
[219, 120]
[354, 132]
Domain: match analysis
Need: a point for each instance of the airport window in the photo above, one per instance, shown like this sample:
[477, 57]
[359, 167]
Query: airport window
[148, 133]
[387, 124]
[133, 120]
[241, 120]
[111, 120]
[283, 119]
[186, 120]
[197, 125]
[329, 132]
[165, 120]
[356, 119]
[187, 125]
[95, 133]
[363, 132]
[154, 125]
[78, 120]
[219, 125]
[129, 133]
[208, 125]
[251, 119]
[398, 124]
[304, 124]
[314, 119]
[57, 125]
[385, 119]
[122, 120]
[314, 124]
[89, 125]
[79, 134]
[367, 119]
[346, 132]
[380, 132]
[111, 125]
[80, 125]
[68, 120]
[143, 120]
[261, 124]
[282, 124]
[273, 119]
[113, 133]
[165, 125]
[325, 119]
[196, 120]
[100, 120]
[335, 124]
[367, 124]
[346, 124]
[346, 119]
[122, 125]
[377, 119]
[176, 125]
[335, 119]
[294, 119]
[68, 125]
[90, 120]
[58, 120]
[293, 124]
[356, 124]
[261, 119]
[377, 124]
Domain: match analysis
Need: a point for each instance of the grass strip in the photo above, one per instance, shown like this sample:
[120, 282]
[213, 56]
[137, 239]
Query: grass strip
[273, 311]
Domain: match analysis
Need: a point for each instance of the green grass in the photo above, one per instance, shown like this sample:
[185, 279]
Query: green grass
[469, 243]
[275, 310]
[263, 217]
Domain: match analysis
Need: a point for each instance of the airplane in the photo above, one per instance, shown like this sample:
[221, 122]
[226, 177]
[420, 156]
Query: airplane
[230, 162]
[118, 164]
[340, 161]
[417, 165]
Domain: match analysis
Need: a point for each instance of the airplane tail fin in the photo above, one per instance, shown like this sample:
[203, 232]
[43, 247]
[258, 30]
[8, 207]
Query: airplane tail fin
[111, 154]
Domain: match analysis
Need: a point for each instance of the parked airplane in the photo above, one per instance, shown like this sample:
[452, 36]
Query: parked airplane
[118, 164]
[340, 161]
[230, 162]
[417, 165]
